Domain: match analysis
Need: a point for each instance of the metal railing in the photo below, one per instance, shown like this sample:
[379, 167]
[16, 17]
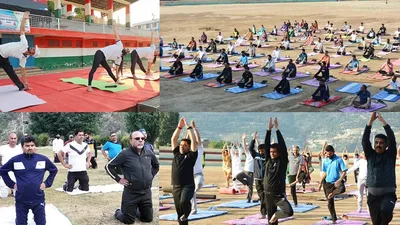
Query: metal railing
[73, 25]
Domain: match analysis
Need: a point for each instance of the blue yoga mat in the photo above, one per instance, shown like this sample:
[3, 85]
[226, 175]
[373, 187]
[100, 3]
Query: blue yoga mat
[165, 197]
[237, 89]
[201, 214]
[351, 88]
[385, 96]
[164, 68]
[206, 76]
[241, 204]
[302, 208]
[275, 95]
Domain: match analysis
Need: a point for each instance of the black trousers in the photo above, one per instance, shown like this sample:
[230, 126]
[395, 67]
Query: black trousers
[93, 162]
[6, 65]
[221, 78]
[356, 175]
[131, 202]
[261, 195]
[100, 59]
[381, 208]
[247, 179]
[135, 58]
[330, 188]
[182, 196]
[292, 178]
[83, 179]
[280, 91]
[244, 85]
[273, 201]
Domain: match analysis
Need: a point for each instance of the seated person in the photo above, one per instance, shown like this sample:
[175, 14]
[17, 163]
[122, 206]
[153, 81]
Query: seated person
[235, 33]
[394, 86]
[285, 45]
[353, 37]
[223, 57]
[251, 50]
[264, 36]
[258, 42]
[377, 40]
[269, 65]
[349, 31]
[200, 55]
[203, 38]
[362, 44]
[197, 71]
[284, 27]
[309, 40]
[192, 45]
[326, 58]
[239, 41]
[338, 41]
[328, 24]
[396, 34]
[387, 47]
[220, 38]
[324, 71]
[341, 50]
[274, 31]
[353, 65]
[329, 36]
[243, 60]
[231, 49]
[226, 75]
[290, 70]
[365, 99]
[174, 44]
[249, 36]
[371, 34]
[276, 54]
[322, 92]
[262, 30]
[283, 86]
[360, 28]
[247, 79]
[212, 47]
[305, 25]
[386, 69]
[177, 67]
[345, 26]
[302, 59]
[254, 30]
[382, 30]
[369, 52]
[180, 52]
[319, 46]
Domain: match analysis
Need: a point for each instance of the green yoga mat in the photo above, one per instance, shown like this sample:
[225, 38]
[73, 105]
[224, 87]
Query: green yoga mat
[96, 84]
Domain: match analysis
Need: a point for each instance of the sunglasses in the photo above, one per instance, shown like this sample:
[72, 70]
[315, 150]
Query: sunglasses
[140, 138]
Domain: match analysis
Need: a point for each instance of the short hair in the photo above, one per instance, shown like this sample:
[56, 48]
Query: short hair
[381, 136]
[329, 148]
[261, 146]
[89, 133]
[275, 145]
[113, 132]
[187, 140]
[27, 139]
[296, 147]
[357, 154]
[78, 131]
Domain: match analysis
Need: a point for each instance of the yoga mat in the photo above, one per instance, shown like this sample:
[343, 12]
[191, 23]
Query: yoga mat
[307, 64]
[353, 222]
[385, 96]
[206, 76]
[213, 66]
[362, 214]
[228, 39]
[311, 102]
[374, 107]
[383, 53]
[191, 63]
[96, 84]
[298, 75]
[201, 214]
[199, 201]
[209, 186]
[53, 216]
[351, 88]
[263, 74]
[251, 66]
[164, 68]
[218, 85]
[238, 90]
[331, 67]
[96, 189]
[364, 60]
[302, 208]
[163, 197]
[378, 76]
[266, 46]
[362, 70]
[169, 76]
[12, 99]
[313, 53]
[275, 95]
[254, 220]
[241, 204]
[161, 208]
[171, 60]
[231, 191]
[283, 59]
[396, 63]
[256, 57]
[140, 76]
[315, 83]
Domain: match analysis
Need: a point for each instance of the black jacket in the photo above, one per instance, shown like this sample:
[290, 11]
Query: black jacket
[259, 165]
[381, 168]
[139, 170]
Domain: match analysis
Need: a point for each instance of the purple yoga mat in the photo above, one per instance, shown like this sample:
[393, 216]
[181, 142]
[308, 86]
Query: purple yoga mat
[374, 107]
[353, 222]
[213, 66]
[298, 75]
[315, 83]
[253, 220]
[334, 66]
[173, 59]
[263, 74]
[362, 214]
[383, 53]
[283, 59]
[164, 208]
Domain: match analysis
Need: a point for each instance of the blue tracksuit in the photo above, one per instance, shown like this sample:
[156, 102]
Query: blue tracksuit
[29, 172]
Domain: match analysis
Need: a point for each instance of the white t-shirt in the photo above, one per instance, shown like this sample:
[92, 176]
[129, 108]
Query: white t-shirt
[396, 33]
[146, 52]
[276, 55]
[259, 42]
[270, 64]
[231, 48]
[15, 50]
[361, 29]
[113, 52]
[363, 166]
[286, 44]
[394, 85]
[77, 154]
[353, 37]
[58, 145]
[249, 163]
[198, 167]
[6, 153]
[202, 55]
[387, 46]
[342, 49]
[236, 162]
[220, 38]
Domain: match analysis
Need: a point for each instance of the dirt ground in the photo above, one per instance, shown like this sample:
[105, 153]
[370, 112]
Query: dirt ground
[184, 22]
[214, 175]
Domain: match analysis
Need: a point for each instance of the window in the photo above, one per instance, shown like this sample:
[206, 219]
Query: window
[54, 43]
[67, 43]
[79, 44]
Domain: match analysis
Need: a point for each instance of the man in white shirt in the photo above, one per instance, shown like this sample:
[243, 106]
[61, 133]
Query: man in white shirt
[396, 34]
[6, 153]
[21, 51]
[319, 46]
[394, 86]
[246, 177]
[115, 52]
[58, 145]
[276, 54]
[344, 27]
[220, 38]
[79, 154]
[361, 29]
[198, 168]
[201, 54]
[231, 49]
[361, 164]
[236, 157]
[269, 65]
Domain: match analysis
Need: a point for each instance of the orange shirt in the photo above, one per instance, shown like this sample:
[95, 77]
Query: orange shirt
[327, 59]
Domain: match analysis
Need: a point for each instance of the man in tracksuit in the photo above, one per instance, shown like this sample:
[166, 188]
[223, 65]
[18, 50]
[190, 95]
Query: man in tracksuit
[139, 166]
[29, 169]
[276, 157]
[259, 169]
[381, 178]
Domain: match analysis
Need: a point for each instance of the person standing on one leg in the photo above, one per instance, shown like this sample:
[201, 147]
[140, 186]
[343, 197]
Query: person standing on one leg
[362, 166]
[381, 178]
[333, 173]
[259, 170]
[246, 177]
[236, 157]
[296, 162]
[198, 169]
[139, 166]
[185, 156]
[276, 157]
[226, 163]
[29, 169]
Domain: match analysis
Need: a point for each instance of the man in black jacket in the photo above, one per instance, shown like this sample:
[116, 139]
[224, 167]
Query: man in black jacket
[140, 166]
[276, 157]
[381, 176]
[93, 145]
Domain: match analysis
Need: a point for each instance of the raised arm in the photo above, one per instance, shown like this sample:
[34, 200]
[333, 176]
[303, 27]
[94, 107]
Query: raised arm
[252, 145]
[281, 142]
[390, 136]
[193, 146]
[117, 38]
[268, 139]
[177, 132]
[196, 132]
[366, 143]
[24, 18]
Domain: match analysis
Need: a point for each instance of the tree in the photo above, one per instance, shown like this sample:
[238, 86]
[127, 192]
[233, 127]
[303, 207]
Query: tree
[51, 7]
[147, 121]
[168, 123]
[80, 13]
[64, 123]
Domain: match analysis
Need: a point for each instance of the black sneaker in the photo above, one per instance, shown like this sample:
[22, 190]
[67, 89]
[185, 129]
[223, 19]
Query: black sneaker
[116, 213]
[65, 186]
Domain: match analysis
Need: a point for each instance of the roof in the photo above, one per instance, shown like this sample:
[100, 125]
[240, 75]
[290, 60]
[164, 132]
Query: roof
[102, 4]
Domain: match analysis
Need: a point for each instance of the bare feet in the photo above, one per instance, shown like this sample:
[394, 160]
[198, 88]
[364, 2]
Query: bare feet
[273, 219]
[149, 73]
[119, 82]
[90, 89]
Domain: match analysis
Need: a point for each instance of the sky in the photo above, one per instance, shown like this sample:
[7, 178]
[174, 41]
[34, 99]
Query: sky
[141, 11]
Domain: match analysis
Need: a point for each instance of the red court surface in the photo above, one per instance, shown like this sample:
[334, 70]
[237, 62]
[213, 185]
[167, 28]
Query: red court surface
[67, 97]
